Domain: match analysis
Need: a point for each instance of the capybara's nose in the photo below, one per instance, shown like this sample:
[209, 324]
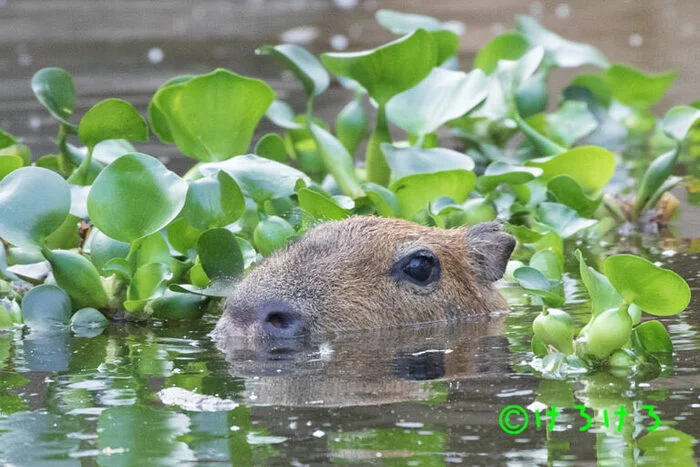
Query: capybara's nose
[279, 320]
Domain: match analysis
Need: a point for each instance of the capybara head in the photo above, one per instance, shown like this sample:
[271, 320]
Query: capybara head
[370, 272]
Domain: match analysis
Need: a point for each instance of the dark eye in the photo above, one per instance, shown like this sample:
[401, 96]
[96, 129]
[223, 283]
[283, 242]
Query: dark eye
[420, 268]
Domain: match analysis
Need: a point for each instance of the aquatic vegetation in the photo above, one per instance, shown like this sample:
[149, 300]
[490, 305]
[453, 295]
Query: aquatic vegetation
[100, 226]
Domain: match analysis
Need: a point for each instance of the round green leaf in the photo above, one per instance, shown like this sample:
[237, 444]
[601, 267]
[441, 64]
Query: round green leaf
[9, 163]
[657, 291]
[443, 96]
[281, 114]
[149, 282]
[34, 202]
[45, 308]
[320, 206]
[259, 178]
[303, 64]
[6, 139]
[271, 146]
[88, 322]
[535, 282]
[212, 117]
[103, 248]
[78, 277]
[679, 120]
[135, 196]
[591, 166]
[507, 46]
[547, 262]
[112, 119]
[636, 89]
[389, 69]
[412, 160]
[568, 192]
[174, 306]
[565, 53]
[383, 199]
[53, 88]
[654, 337]
[563, 220]
[601, 292]
[220, 254]
[182, 236]
[213, 202]
[414, 192]
[499, 172]
[271, 234]
[159, 122]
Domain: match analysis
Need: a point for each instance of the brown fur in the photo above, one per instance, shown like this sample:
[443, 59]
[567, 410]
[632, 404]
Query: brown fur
[337, 277]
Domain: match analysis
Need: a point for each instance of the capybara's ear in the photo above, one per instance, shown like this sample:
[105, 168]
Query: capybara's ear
[489, 249]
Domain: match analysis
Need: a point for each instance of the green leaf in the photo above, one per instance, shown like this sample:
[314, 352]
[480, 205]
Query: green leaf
[507, 46]
[271, 146]
[182, 236]
[34, 202]
[174, 306]
[404, 23]
[591, 166]
[5, 275]
[78, 277]
[88, 322]
[569, 193]
[53, 88]
[116, 201]
[657, 291]
[654, 337]
[149, 282]
[601, 292]
[159, 122]
[679, 120]
[383, 199]
[636, 89]
[548, 263]
[535, 282]
[446, 45]
[6, 139]
[571, 122]
[213, 202]
[112, 119]
[412, 160]
[220, 254]
[46, 308]
[564, 53]
[8, 164]
[499, 172]
[337, 161]
[563, 220]
[271, 234]
[390, 69]
[281, 114]
[258, 178]
[66, 237]
[442, 96]
[212, 117]
[320, 206]
[598, 87]
[103, 248]
[303, 64]
[654, 178]
[150, 249]
[414, 192]
[351, 125]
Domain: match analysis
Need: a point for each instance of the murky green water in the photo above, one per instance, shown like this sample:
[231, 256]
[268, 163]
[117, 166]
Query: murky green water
[425, 395]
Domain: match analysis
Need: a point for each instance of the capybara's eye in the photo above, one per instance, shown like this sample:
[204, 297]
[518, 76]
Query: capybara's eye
[421, 268]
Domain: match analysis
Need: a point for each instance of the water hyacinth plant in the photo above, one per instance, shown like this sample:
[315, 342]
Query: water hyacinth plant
[102, 231]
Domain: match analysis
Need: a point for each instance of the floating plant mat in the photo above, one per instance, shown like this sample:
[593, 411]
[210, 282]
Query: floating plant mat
[97, 232]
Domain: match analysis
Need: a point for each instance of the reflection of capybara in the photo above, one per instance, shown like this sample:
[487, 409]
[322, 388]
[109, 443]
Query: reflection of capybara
[370, 272]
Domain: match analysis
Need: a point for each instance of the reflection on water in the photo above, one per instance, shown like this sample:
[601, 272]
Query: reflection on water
[423, 395]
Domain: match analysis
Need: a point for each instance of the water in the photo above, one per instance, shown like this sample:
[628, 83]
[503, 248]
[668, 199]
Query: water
[161, 394]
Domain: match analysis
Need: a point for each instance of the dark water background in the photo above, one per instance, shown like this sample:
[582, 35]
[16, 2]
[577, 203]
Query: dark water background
[427, 395]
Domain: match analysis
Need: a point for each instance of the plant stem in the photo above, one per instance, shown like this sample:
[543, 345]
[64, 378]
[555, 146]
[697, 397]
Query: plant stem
[377, 169]
[537, 139]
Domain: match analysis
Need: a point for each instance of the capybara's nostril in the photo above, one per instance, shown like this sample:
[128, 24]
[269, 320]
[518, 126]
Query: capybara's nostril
[279, 320]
